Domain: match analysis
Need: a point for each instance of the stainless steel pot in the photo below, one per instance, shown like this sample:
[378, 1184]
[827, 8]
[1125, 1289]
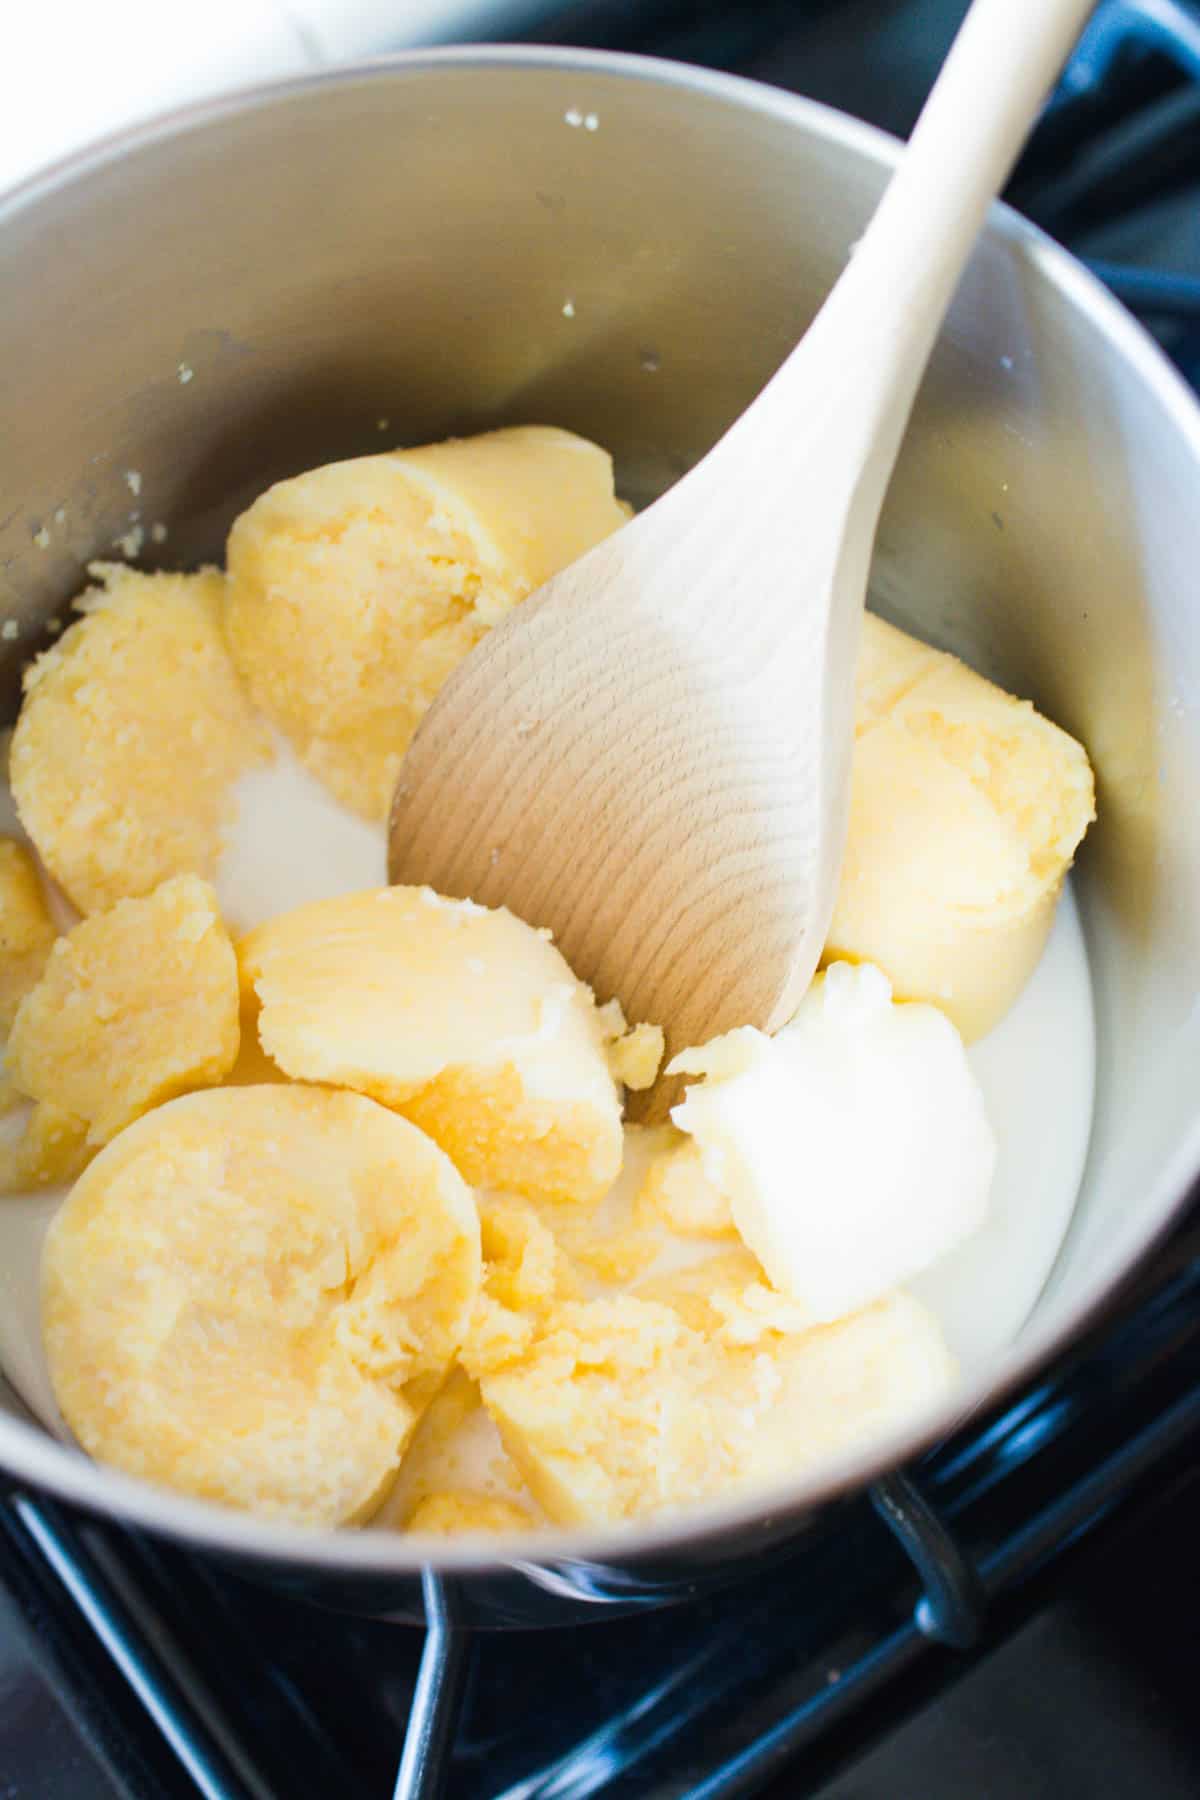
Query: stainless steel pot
[315, 269]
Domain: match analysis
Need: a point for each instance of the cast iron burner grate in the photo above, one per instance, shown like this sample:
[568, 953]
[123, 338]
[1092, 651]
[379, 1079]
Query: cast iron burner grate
[217, 1687]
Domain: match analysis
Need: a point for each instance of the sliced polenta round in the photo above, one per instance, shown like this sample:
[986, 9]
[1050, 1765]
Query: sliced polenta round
[251, 1293]
[464, 1019]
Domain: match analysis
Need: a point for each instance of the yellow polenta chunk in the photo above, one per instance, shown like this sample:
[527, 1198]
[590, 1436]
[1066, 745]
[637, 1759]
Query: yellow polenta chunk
[526, 1274]
[133, 727]
[464, 1019]
[26, 929]
[355, 589]
[637, 1405]
[457, 1510]
[136, 1005]
[678, 1193]
[51, 1149]
[455, 1470]
[966, 808]
[26, 933]
[526, 1269]
[607, 1413]
[253, 1066]
[634, 1052]
[728, 1299]
[250, 1292]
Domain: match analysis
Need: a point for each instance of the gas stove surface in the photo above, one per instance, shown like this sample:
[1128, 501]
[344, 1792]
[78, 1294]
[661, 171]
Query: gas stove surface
[135, 1671]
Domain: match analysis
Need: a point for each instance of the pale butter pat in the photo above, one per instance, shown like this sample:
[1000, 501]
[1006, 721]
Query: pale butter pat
[854, 1145]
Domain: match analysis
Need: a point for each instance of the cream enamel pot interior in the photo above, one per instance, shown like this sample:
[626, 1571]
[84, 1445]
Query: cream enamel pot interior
[243, 290]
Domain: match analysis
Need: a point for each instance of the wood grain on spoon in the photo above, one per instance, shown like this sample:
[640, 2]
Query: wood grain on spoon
[651, 756]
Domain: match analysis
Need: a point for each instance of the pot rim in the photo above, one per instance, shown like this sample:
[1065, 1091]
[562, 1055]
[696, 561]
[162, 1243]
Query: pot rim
[27, 1450]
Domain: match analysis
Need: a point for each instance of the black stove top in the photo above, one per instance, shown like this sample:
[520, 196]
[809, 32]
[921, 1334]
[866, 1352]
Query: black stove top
[1066, 1567]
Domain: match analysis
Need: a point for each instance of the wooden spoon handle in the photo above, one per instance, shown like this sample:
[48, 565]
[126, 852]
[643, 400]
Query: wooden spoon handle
[962, 149]
[886, 308]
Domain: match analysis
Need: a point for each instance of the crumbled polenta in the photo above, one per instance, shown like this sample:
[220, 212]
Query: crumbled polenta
[678, 1194]
[52, 1148]
[634, 1051]
[525, 1275]
[631, 1406]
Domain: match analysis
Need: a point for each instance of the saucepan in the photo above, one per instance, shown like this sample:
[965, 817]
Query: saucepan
[453, 240]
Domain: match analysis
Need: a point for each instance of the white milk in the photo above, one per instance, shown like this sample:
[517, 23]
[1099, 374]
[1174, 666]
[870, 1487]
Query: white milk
[291, 843]
[1037, 1071]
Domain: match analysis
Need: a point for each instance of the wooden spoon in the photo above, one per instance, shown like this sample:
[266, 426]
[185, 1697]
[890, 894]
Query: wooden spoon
[651, 755]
